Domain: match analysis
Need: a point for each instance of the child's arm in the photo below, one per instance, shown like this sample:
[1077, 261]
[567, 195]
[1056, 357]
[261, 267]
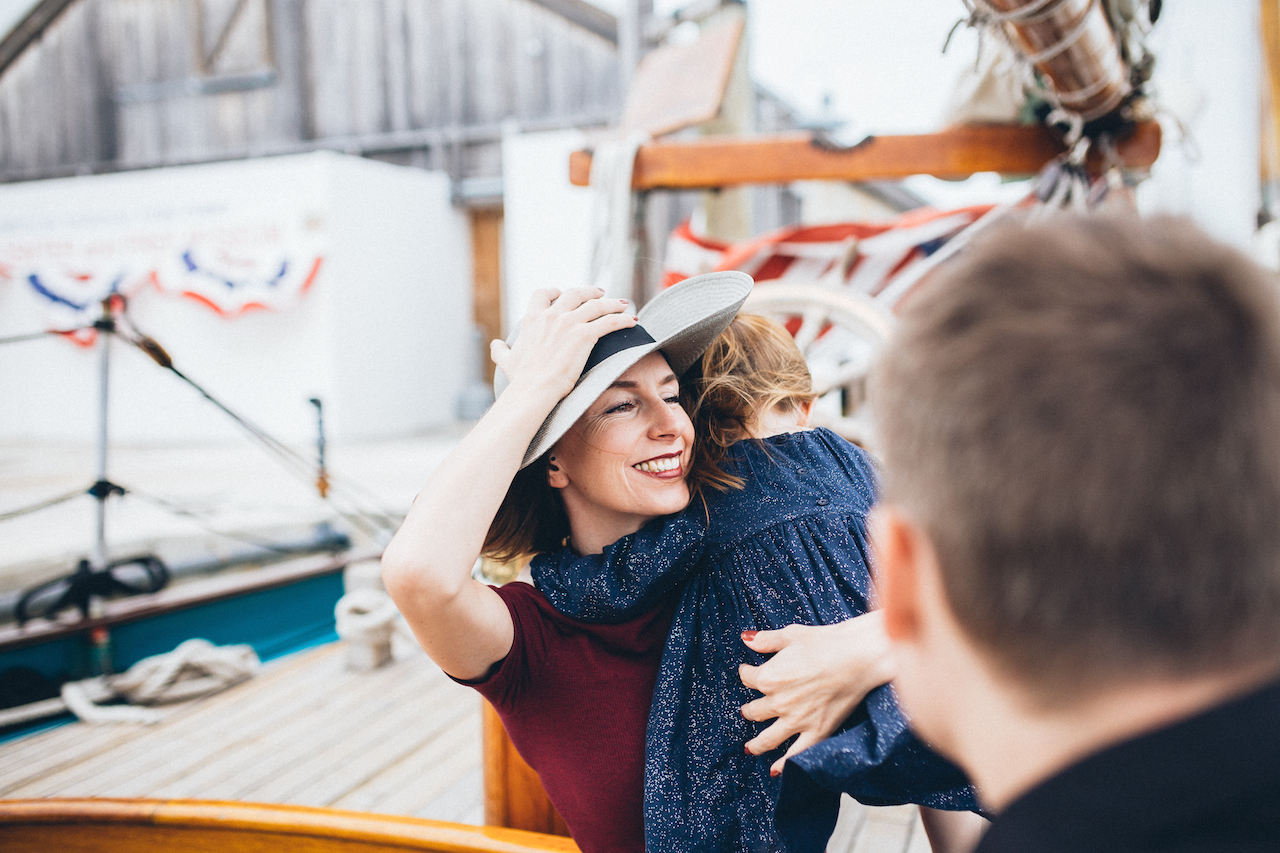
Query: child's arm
[631, 577]
[816, 677]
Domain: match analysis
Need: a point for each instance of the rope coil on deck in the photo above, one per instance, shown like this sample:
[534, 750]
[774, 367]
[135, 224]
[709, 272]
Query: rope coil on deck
[195, 668]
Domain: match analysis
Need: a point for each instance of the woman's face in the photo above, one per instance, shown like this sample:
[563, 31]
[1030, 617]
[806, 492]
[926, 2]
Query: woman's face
[624, 462]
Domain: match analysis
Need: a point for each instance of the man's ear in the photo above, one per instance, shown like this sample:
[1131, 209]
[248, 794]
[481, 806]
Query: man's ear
[556, 477]
[900, 547]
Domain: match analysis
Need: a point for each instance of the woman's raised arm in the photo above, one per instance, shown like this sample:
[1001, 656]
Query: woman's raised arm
[461, 623]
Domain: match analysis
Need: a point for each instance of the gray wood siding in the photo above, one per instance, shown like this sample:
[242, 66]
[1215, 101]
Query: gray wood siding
[129, 83]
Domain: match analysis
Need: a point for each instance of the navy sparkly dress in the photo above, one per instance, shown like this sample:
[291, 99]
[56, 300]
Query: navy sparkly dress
[790, 547]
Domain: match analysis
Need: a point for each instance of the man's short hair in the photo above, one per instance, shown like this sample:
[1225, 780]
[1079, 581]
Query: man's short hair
[1083, 414]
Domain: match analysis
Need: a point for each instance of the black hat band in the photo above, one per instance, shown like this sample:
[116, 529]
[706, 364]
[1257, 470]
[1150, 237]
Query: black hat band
[615, 342]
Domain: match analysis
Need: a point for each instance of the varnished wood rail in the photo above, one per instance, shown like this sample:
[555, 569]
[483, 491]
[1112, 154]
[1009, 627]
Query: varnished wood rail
[719, 161]
[152, 826]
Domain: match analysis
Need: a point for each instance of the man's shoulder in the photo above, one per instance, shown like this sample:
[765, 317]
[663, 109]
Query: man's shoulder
[1209, 782]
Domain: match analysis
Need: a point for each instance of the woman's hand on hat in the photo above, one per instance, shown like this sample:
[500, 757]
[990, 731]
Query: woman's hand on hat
[816, 677]
[556, 336]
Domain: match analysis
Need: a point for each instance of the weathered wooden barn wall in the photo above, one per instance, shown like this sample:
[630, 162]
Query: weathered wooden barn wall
[132, 83]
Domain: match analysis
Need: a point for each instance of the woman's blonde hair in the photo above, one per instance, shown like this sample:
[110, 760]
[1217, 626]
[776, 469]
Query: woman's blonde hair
[753, 368]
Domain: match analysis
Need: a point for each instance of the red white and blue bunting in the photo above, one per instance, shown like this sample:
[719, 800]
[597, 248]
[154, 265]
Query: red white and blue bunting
[230, 266]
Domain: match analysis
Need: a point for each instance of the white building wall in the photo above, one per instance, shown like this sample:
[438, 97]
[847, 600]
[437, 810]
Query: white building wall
[1208, 74]
[546, 220]
[379, 336]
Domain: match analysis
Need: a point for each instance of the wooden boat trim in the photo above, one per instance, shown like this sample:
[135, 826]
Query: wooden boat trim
[719, 161]
[203, 591]
[109, 825]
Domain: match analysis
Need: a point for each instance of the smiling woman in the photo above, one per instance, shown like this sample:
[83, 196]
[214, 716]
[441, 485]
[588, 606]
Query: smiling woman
[624, 461]
[586, 443]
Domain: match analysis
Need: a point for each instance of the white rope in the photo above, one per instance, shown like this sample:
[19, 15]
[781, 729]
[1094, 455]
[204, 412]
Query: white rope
[79, 702]
[1067, 40]
[983, 12]
[195, 668]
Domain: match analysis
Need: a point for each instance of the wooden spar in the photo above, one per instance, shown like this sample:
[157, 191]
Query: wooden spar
[1072, 44]
[719, 161]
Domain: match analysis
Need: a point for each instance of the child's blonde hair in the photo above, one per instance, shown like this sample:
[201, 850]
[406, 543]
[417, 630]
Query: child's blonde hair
[751, 369]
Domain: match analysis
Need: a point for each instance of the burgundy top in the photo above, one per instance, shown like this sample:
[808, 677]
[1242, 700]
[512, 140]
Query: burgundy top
[574, 698]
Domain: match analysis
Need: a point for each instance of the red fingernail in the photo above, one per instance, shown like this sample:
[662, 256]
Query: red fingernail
[748, 636]
[747, 750]
[775, 773]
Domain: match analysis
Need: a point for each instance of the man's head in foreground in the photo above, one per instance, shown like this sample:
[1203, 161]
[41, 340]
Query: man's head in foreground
[1080, 533]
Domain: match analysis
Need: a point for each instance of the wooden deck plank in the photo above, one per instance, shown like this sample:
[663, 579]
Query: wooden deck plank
[52, 754]
[437, 765]
[329, 788]
[217, 729]
[919, 842]
[321, 717]
[188, 734]
[853, 815]
[410, 769]
[361, 757]
[887, 829]
[305, 727]
[461, 803]
[324, 711]
[43, 754]
[343, 730]
[463, 764]
[170, 745]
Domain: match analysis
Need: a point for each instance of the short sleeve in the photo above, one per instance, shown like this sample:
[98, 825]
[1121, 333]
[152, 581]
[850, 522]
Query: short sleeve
[630, 578]
[510, 677]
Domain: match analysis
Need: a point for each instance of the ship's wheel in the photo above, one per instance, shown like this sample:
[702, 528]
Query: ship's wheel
[840, 333]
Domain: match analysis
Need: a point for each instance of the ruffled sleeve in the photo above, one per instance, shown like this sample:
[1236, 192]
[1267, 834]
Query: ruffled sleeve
[631, 577]
[878, 761]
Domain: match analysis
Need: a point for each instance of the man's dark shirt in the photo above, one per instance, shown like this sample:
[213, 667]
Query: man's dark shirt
[1208, 783]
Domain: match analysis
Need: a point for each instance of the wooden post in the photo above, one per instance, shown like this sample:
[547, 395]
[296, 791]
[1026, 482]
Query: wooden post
[486, 272]
[728, 210]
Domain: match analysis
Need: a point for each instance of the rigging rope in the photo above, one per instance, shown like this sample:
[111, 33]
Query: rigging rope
[369, 521]
[51, 502]
[196, 518]
[31, 336]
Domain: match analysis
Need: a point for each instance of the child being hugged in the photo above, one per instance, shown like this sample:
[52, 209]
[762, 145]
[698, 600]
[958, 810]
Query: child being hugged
[775, 535]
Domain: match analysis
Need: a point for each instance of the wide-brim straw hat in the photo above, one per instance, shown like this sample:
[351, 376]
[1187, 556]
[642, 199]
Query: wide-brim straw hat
[681, 322]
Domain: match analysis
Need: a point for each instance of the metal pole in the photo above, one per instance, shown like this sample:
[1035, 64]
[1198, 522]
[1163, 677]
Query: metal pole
[105, 326]
[322, 474]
